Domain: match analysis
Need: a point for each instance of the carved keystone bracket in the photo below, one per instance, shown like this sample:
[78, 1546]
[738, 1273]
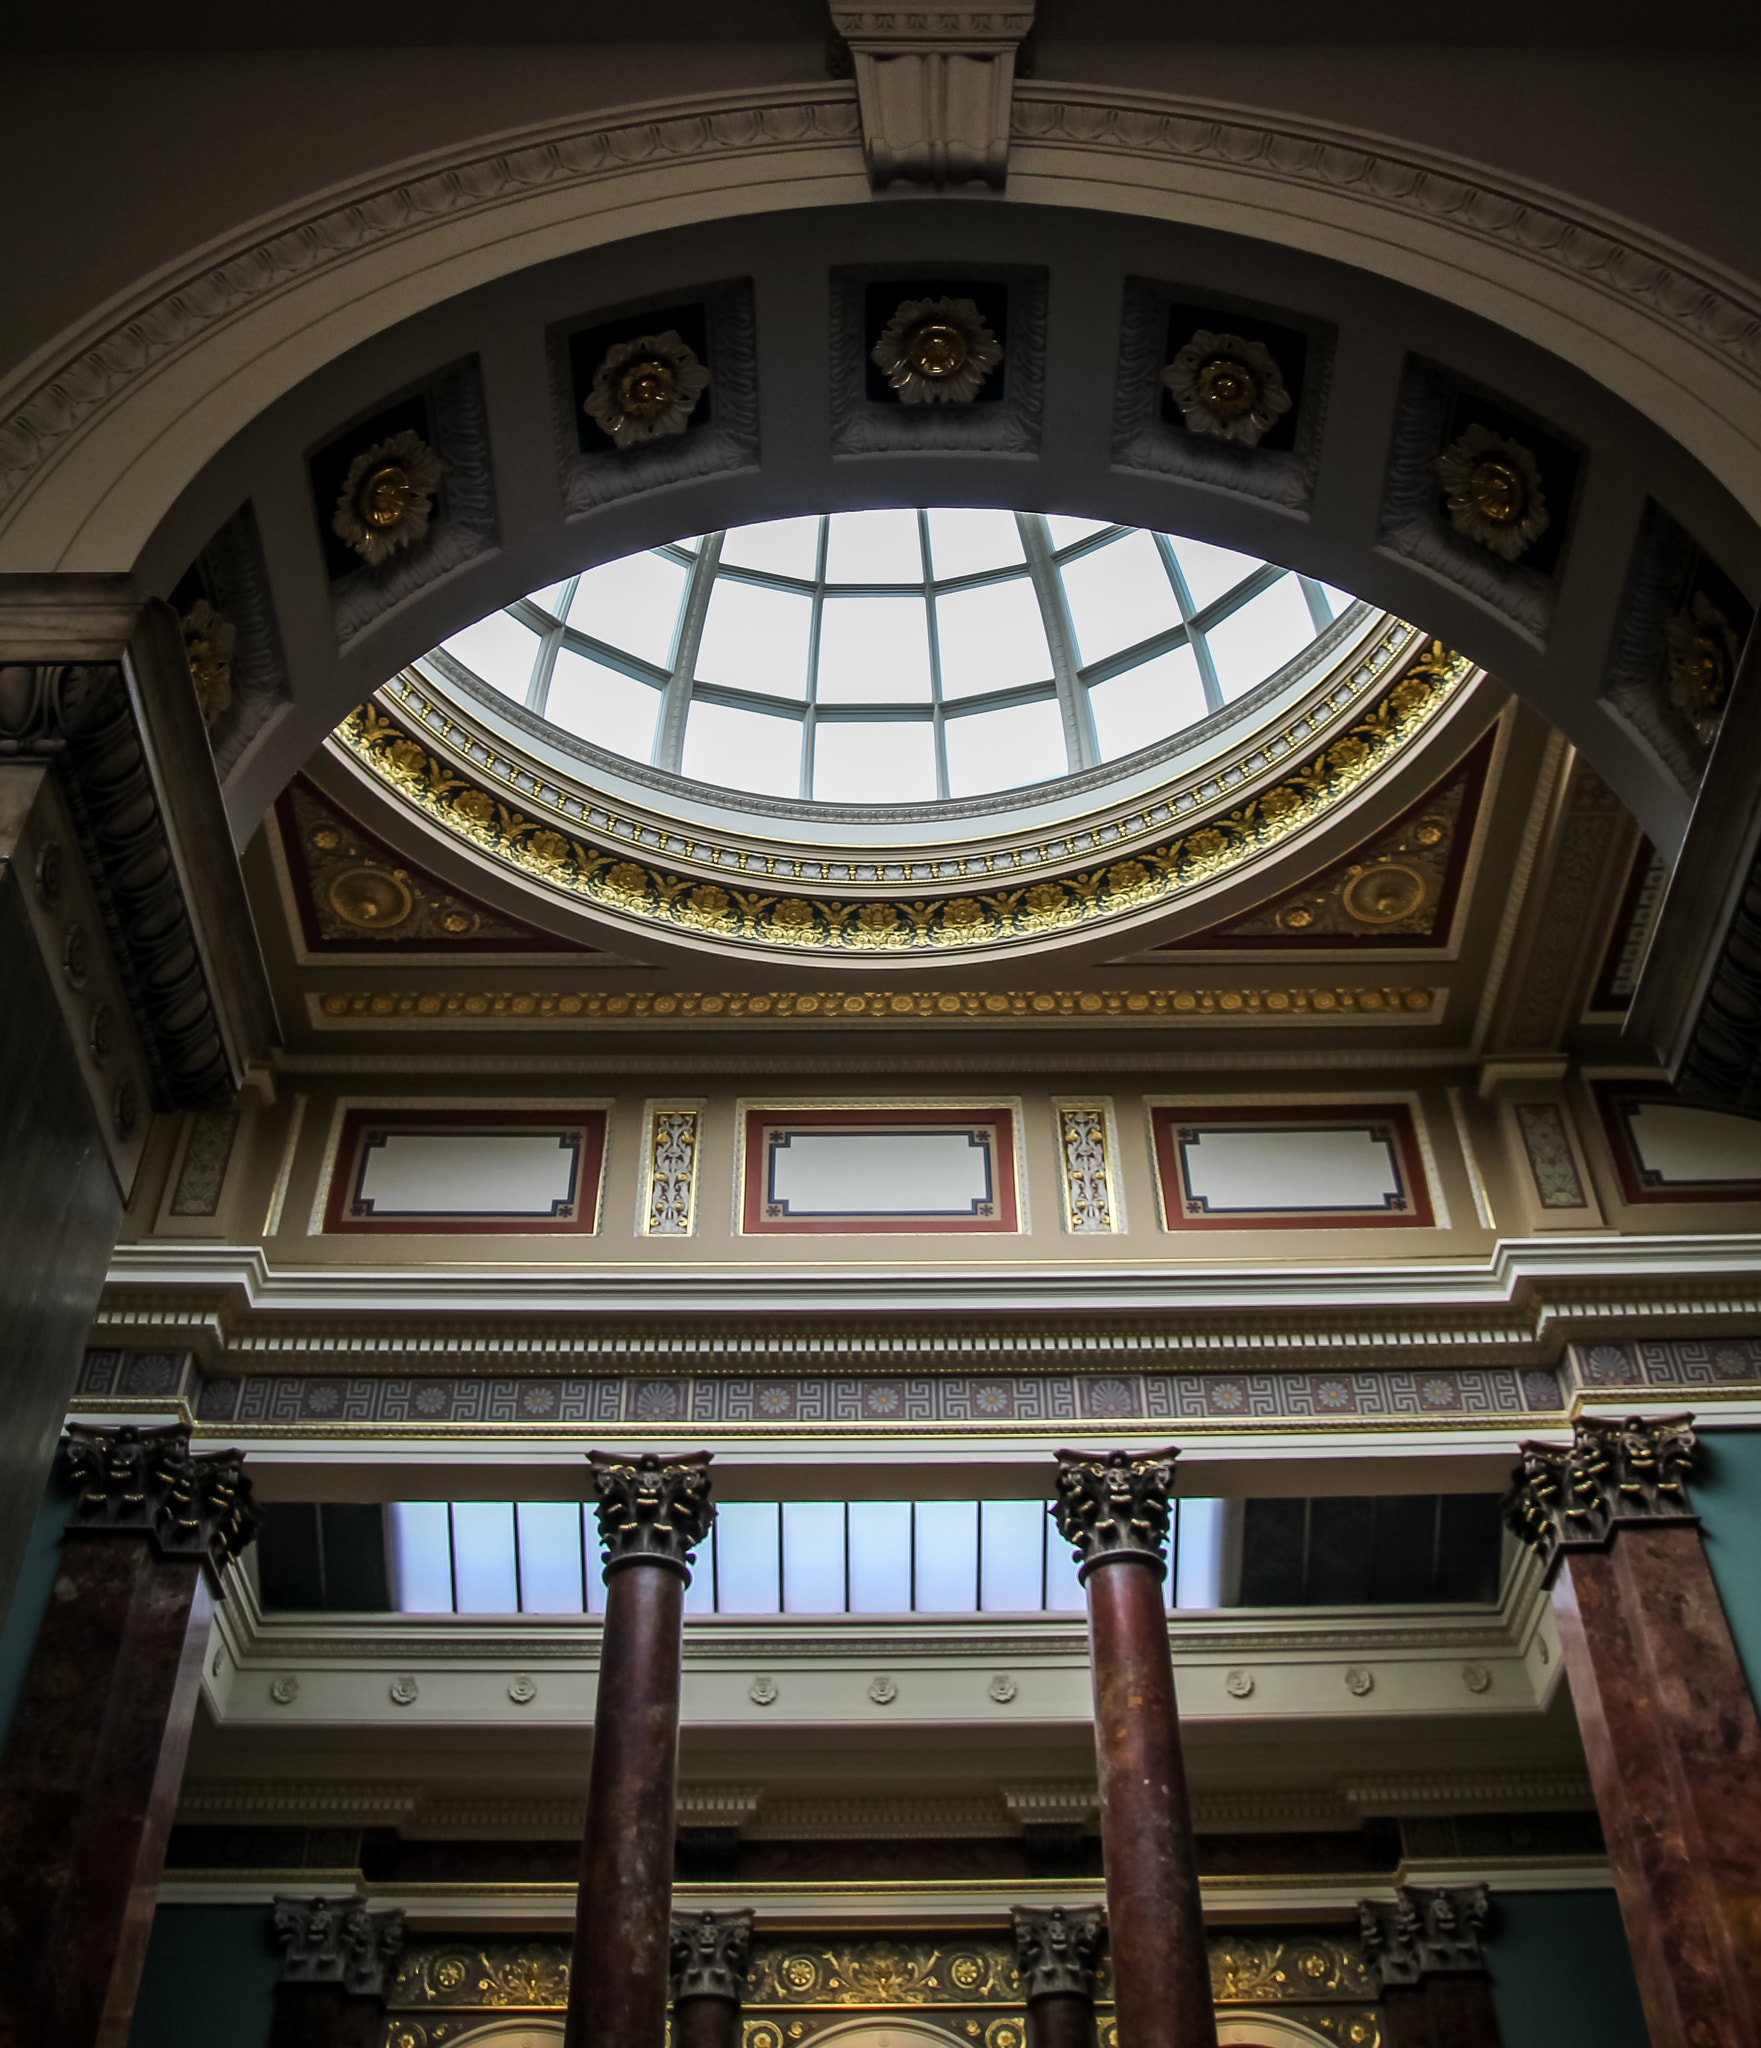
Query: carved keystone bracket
[1564, 1498]
[1058, 1952]
[148, 1481]
[934, 85]
[711, 1953]
[1115, 1504]
[338, 1941]
[1425, 1932]
[652, 1510]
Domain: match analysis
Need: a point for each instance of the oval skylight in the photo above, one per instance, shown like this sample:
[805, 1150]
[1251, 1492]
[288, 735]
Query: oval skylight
[896, 657]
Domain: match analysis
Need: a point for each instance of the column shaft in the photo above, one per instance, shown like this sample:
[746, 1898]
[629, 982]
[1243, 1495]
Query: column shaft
[88, 1785]
[619, 1985]
[1061, 2019]
[706, 2023]
[1674, 1749]
[1161, 1975]
[1441, 2012]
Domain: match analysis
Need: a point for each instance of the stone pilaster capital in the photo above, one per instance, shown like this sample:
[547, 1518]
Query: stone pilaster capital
[1058, 1952]
[711, 1953]
[1115, 1504]
[190, 1504]
[1613, 1474]
[1425, 1932]
[338, 1941]
[651, 1509]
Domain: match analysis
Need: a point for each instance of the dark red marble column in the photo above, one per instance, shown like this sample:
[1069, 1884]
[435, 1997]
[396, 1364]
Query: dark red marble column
[710, 1956]
[90, 1774]
[1113, 1508]
[1435, 1989]
[1666, 1713]
[1057, 1956]
[338, 1962]
[653, 1512]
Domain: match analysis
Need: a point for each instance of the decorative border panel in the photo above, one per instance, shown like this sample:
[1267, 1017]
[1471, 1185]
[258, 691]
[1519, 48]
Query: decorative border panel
[1639, 1184]
[1175, 1126]
[767, 1139]
[672, 1145]
[1088, 1153]
[582, 1134]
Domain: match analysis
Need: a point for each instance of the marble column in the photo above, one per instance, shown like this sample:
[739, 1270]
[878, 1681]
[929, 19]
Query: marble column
[1666, 1713]
[1113, 1508]
[711, 1953]
[93, 1759]
[1436, 1992]
[1057, 1957]
[653, 1512]
[339, 1959]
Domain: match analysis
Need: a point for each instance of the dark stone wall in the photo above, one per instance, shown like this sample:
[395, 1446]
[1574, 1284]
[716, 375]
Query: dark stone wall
[59, 1211]
[209, 1980]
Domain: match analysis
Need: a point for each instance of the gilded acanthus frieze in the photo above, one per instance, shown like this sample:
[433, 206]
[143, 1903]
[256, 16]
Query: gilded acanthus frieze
[594, 868]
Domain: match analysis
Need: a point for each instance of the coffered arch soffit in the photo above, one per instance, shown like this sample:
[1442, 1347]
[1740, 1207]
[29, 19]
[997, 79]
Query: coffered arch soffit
[129, 445]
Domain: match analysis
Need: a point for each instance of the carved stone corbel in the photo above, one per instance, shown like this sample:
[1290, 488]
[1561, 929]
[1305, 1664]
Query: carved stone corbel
[934, 86]
[1115, 1504]
[1575, 1497]
[148, 1482]
[1425, 1932]
[338, 1942]
[651, 1510]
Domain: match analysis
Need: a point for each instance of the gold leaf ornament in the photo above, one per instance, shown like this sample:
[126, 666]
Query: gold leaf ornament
[208, 641]
[1492, 489]
[937, 352]
[1227, 387]
[387, 498]
[646, 389]
[1702, 659]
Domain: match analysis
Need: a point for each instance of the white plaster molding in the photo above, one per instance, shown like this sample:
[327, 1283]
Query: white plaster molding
[934, 85]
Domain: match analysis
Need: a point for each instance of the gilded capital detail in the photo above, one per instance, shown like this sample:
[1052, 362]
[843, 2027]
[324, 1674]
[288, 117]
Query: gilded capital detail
[711, 1953]
[338, 1941]
[652, 1510]
[1058, 1952]
[148, 1481]
[1614, 1472]
[1115, 1504]
[1426, 1932]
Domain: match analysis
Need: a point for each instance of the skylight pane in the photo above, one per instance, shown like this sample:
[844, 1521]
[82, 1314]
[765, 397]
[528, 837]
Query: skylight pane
[1341, 601]
[611, 710]
[1011, 1556]
[756, 639]
[550, 1556]
[1260, 638]
[991, 638]
[747, 1557]
[1119, 595]
[1210, 571]
[1198, 1575]
[483, 1557]
[700, 1594]
[632, 605]
[499, 651]
[947, 1556]
[550, 598]
[1064, 1592]
[880, 1557]
[421, 1556]
[963, 543]
[1003, 749]
[874, 650]
[1067, 532]
[742, 750]
[780, 547]
[859, 762]
[1147, 703]
[873, 547]
[813, 1557]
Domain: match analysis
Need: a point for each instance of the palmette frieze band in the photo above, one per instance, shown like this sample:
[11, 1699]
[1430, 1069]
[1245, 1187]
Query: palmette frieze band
[194, 1505]
[1427, 1931]
[651, 1510]
[1058, 1953]
[711, 1954]
[1614, 1472]
[1115, 1504]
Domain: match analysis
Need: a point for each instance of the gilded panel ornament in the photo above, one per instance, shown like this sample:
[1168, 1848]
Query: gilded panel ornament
[1227, 387]
[937, 352]
[1115, 1505]
[533, 1975]
[1492, 489]
[208, 643]
[1426, 1931]
[1085, 1152]
[651, 1510]
[1551, 1165]
[646, 389]
[669, 1207]
[608, 878]
[710, 1955]
[1058, 1952]
[192, 1504]
[1577, 1496]
[387, 498]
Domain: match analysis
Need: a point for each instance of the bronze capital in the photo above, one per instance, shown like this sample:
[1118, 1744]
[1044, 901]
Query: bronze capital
[338, 1941]
[149, 1482]
[1426, 1932]
[1058, 1952]
[1115, 1504]
[1613, 1473]
[651, 1509]
[711, 1953]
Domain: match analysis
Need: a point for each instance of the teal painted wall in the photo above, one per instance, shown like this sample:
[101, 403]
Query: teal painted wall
[1561, 1974]
[209, 1980]
[30, 1592]
[1726, 1489]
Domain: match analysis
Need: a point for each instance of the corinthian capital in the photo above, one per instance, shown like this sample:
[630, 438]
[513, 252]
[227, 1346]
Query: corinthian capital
[1575, 1497]
[191, 1504]
[710, 1955]
[652, 1510]
[1057, 1951]
[1115, 1504]
[338, 1941]
[1426, 1932]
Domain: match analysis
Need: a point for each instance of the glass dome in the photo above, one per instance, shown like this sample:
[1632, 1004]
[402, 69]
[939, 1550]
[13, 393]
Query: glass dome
[895, 657]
